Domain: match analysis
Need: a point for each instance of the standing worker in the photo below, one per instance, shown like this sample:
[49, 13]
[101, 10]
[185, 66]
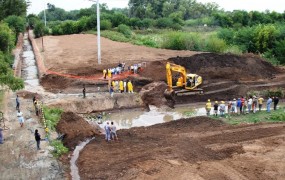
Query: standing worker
[260, 103]
[222, 108]
[20, 118]
[104, 73]
[38, 139]
[125, 86]
[130, 87]
[268, 104]
[121, 84]
[1, 136]
[17, 103]
[208, 107]
[275, 101]
[216, 106]
[109, 73]
[84, 91]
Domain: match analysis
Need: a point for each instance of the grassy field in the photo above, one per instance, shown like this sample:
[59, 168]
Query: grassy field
[262, 116]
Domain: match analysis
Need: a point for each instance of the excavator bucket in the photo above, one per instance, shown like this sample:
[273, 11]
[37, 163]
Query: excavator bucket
[169, 95]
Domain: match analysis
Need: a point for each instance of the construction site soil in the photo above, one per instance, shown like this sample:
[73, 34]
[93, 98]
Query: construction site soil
[195, 148]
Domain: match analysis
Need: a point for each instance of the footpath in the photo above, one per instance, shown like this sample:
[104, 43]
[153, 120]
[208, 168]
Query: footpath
[19, 157]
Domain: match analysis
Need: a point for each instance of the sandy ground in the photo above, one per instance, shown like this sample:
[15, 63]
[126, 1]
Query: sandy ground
[78, 53]
[19, 157]
[197, 148]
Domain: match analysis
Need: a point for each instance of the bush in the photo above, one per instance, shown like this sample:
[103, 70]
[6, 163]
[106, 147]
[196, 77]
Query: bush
[57, 30]
[39, 29]
[273, 93]
[182, 41]
[59, 148]
[7, 38]
[82, 24]
[16, 23]
[214, 44]
[105, 25]
[233, 50]
[164, 23]
[69, 27]
[278, 117]
[124, 29]
[52, 117]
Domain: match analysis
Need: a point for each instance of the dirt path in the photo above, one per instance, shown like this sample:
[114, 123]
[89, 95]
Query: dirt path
[19, 157]
[197, 148]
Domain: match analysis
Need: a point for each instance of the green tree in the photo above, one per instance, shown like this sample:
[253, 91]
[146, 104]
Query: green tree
[39, 30]
[7, 38]
[13, 7]
[279, 51]
[16, 23]
[265, 36]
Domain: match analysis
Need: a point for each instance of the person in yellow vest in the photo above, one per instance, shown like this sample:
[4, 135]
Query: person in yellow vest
[104, 73]
[130, 87]
[208, 107]
[114, 85]
[109, 73]
[121, 84]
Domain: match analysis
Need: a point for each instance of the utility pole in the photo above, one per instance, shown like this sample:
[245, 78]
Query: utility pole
[98, 32]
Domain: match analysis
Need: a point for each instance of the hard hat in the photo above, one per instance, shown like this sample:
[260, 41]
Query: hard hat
[234, 99]
[223, 102]
[209, 100]
[216, 101]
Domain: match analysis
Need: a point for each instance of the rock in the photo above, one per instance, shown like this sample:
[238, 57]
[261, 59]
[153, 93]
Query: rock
[153, 94]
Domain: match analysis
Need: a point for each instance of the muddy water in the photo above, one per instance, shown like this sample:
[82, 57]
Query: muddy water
[73, 167]
[134, 118]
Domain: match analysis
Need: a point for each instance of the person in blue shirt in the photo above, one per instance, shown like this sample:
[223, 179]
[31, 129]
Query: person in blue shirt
[239, 105]
[268, 104]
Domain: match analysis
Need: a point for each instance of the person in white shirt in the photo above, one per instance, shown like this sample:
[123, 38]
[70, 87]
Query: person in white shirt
[20, 118]
[249, 104]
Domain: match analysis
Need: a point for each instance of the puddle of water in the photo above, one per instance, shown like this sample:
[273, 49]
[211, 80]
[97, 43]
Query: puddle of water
[134, 118]
[73, 167]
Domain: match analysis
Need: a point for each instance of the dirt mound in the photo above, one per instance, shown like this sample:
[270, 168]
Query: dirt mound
[171, 148]
[75, 128]
[152, 94]
[227, 66]
[51, 82]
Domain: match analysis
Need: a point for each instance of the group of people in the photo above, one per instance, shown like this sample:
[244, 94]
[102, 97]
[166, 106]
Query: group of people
[121, 86]
[113, 71]
[110, 132]
[241, 105]
[37, 105]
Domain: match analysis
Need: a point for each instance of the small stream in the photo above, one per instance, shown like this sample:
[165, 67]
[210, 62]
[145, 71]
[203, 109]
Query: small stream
[29, 68]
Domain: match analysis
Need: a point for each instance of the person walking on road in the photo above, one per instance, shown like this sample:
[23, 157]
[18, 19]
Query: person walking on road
[260, 103]
[268, 104]
[1, 136]
[38, 139]
[208, 107]
[107, 132]
[113, 131]
[84, 91]
[20, 118]
[275, 102]
[17, 103]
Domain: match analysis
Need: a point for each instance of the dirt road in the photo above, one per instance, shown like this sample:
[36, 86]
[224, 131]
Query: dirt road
[19, 157]
[197, 148]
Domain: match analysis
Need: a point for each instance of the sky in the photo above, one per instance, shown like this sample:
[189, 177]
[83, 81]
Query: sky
[248, 5]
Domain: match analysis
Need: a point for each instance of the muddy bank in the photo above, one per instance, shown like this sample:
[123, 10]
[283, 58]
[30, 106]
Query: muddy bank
[75, 129]
[164, 151]
[97, 102]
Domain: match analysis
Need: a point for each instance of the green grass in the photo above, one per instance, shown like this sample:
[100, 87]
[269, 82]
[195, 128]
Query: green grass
[262, 116]
[52, 117]
[59, 148]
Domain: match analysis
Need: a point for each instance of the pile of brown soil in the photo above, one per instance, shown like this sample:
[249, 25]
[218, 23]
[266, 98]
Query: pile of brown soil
[227, 66]
[75, 128]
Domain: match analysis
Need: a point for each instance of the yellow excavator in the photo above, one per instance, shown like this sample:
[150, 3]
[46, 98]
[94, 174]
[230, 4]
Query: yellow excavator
[186, 84]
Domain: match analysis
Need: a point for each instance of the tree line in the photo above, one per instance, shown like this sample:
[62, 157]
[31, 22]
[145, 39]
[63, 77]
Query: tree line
[12, 22]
